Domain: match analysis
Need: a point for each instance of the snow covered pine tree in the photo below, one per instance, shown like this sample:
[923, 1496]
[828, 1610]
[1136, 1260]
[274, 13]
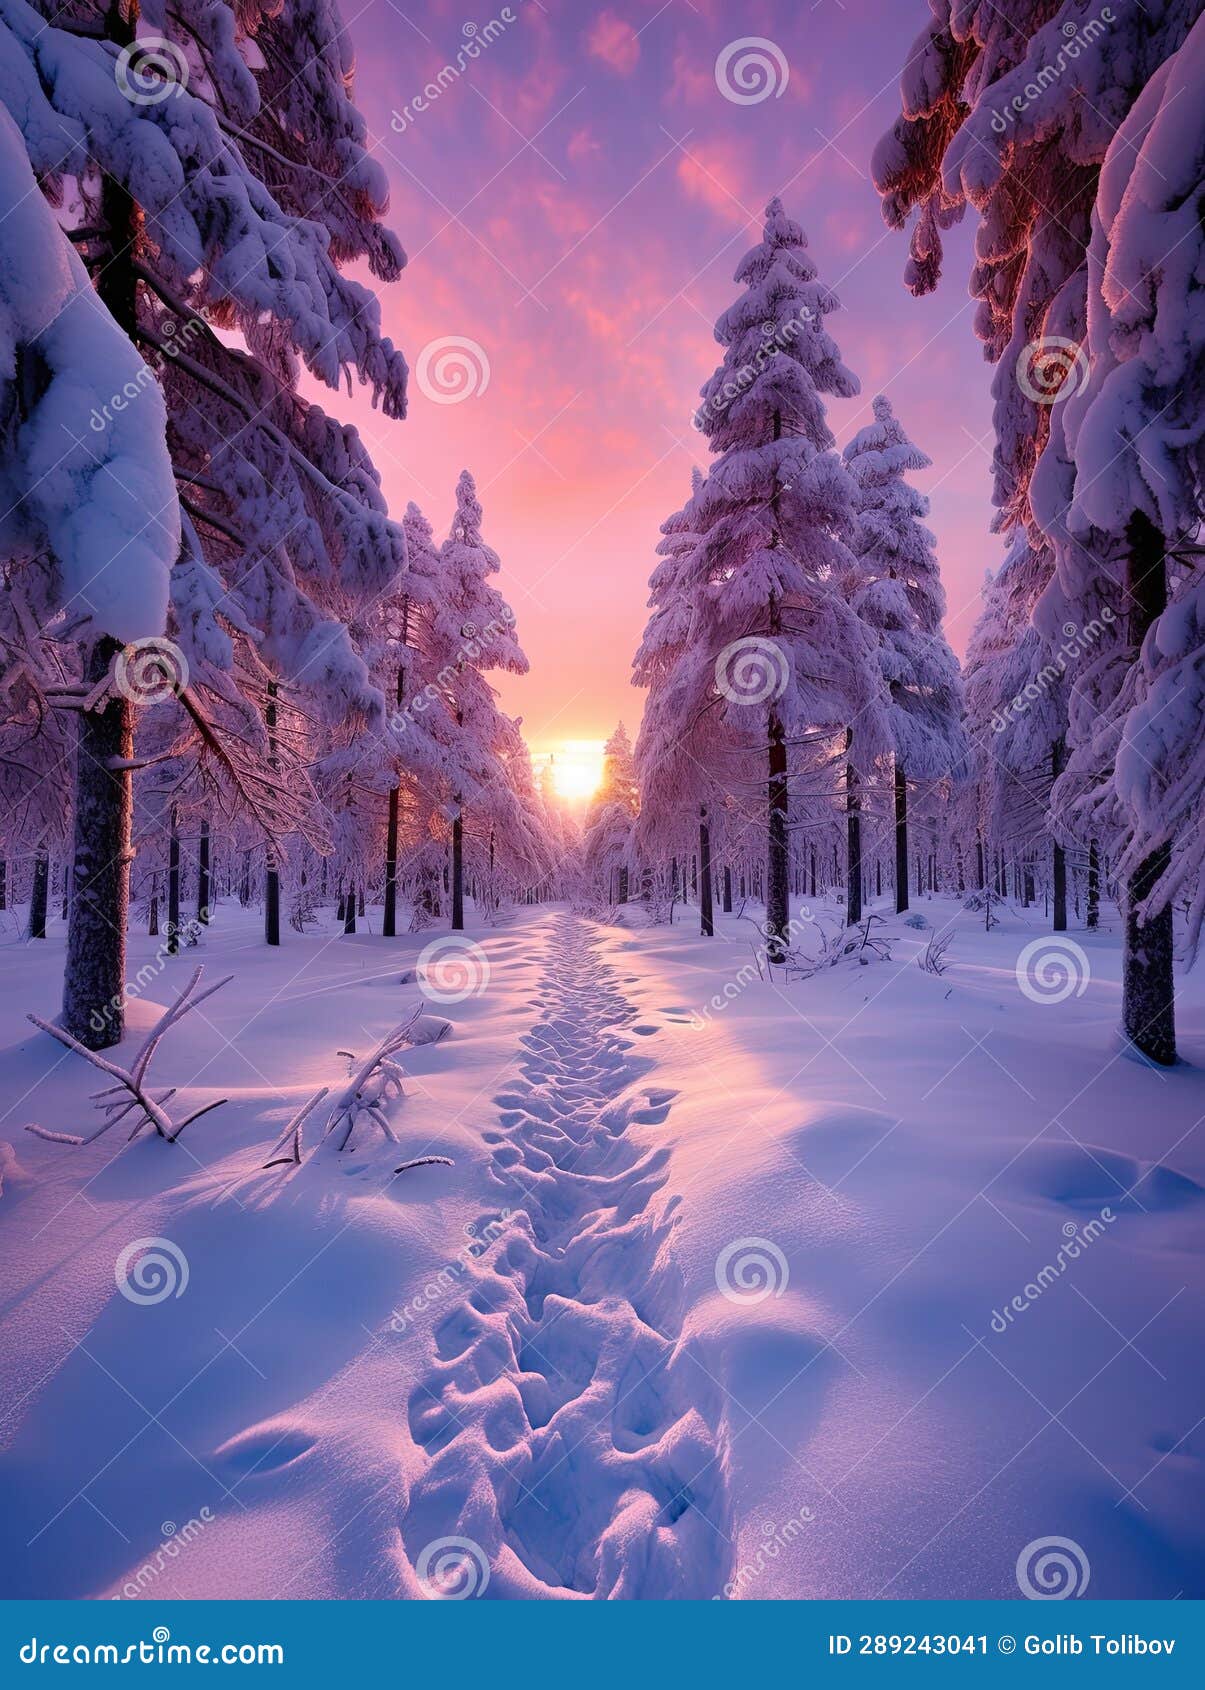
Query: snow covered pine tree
[207, 196]
[1039, 120]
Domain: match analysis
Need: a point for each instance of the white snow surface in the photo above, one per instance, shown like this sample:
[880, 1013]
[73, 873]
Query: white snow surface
[704, 1306]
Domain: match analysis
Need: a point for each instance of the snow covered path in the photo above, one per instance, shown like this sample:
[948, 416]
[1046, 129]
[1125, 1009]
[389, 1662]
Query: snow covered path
[564, 1441]
[545, 1371]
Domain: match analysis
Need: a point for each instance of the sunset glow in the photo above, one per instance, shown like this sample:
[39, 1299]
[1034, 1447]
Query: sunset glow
[577, 767]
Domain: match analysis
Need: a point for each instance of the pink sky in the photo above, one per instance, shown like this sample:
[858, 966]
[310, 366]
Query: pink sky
[575, 204]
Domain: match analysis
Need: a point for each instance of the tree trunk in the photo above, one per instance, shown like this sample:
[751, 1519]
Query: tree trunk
[152, 913]
[173, 887]
[1059, 865]
[1148, 978]
[389, 918]
[727, 889]
[3, 883]
[271, 865]
[980, 869]
[349, 909]
[901, 839]
[777, 900]
[203, 875]
[1093, 914]
[706, 907]
[39, 896]
[458, 870]
[94, 978]
[853, 838]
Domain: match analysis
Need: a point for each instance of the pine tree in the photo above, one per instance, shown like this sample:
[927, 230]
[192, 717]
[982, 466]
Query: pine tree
[228, 204]
[772, 653]
[896, 592]
[1064, 257]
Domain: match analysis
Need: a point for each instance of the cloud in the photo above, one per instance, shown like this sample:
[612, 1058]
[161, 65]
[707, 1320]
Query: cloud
[711, 172]
[614, 41]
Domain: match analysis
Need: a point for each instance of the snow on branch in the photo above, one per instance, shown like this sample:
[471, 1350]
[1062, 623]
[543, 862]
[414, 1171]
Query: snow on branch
[130, 1091]
[375, 1082]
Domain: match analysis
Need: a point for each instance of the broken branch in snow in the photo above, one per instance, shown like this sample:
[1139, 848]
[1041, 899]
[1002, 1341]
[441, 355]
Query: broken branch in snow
[129, 1090]
[292, 1134]
[373, 1085]
[425, 1162]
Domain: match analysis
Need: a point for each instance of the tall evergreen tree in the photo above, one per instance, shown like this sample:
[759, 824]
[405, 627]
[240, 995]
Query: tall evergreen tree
[896, 591]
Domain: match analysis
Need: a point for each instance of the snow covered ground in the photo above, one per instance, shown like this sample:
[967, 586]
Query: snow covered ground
[853, 1286]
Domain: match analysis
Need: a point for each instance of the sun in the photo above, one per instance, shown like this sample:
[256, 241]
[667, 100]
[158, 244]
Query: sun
[577, 768]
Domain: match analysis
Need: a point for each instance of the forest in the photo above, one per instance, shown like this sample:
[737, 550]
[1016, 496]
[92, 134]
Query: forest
[613, 1166]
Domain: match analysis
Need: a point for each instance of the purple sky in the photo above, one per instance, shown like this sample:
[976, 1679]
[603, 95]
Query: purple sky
[575, 204]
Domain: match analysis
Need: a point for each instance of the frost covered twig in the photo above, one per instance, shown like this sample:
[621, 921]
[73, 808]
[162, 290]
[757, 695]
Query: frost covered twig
[292, 1135]
[130, 1091]
[374, 1083]
[933, 958]
[425, 1162]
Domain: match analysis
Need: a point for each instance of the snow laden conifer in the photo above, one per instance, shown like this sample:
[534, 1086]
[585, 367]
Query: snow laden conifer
[610, 820]
[470, 630]
[1017, 116]
[214, 190]
[771, 655]
[897, 594]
